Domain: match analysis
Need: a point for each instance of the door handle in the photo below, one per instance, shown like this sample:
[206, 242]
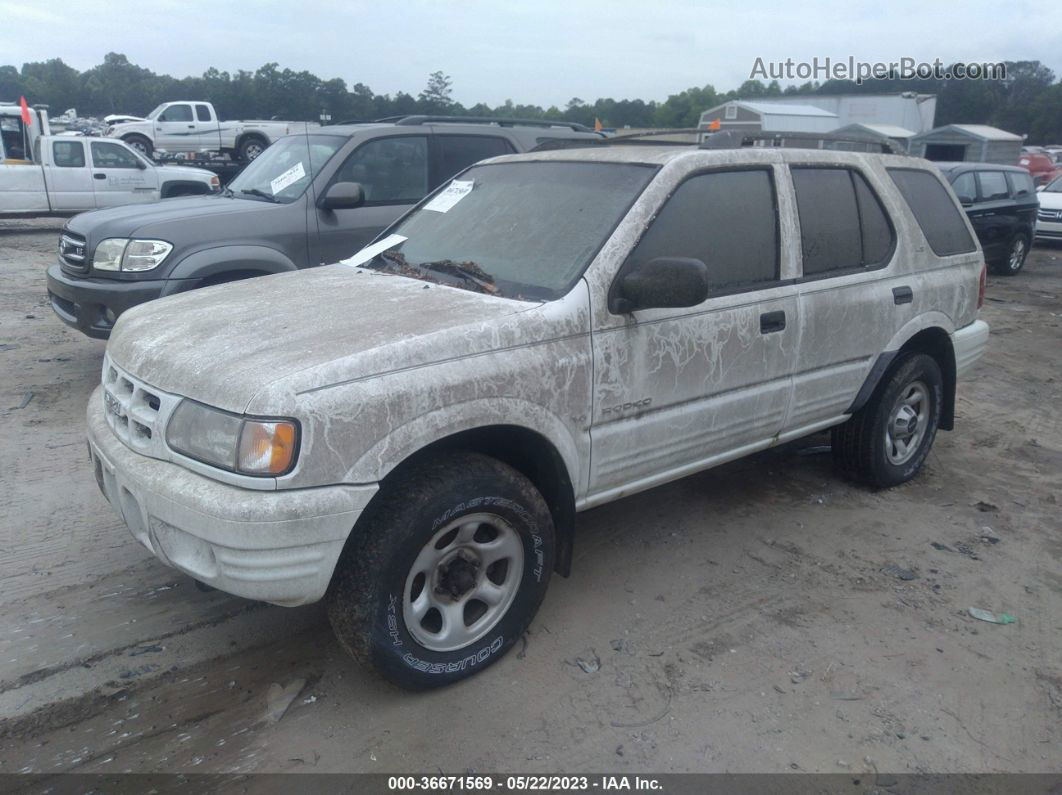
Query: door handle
[100, 176]
[902, 295]
[191, 126]
[770, 322]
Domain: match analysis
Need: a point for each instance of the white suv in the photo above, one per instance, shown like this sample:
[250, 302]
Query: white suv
[411, 433]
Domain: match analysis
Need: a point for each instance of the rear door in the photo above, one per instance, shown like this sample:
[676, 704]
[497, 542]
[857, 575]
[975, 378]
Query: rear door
[69, 177]
[120, 177]
[1026, 203]
[175, 129]
[995, 216]
[848, 309]
[393, 174]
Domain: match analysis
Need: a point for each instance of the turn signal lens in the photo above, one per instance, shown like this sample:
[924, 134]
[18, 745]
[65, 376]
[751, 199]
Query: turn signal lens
[267, 448]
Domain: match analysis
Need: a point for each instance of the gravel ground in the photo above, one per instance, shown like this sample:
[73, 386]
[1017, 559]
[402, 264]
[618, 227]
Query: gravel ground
[758, 617]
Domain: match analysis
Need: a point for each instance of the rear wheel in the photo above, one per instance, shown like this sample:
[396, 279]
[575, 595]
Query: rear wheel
[886, 442]
[250, 148]
[1017, 251]
[449, 566]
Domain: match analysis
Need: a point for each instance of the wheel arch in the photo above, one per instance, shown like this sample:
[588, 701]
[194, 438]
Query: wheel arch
[166, 190]
[222, 260]
[248, 136]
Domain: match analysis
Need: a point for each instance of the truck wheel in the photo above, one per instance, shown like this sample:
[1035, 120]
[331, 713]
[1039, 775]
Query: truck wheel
[251, 147]
[449, 566]
[1015, 257]
[886, 442]
[140, 144]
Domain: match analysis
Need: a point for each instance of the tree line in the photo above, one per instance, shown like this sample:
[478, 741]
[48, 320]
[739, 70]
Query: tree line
[1028, 101]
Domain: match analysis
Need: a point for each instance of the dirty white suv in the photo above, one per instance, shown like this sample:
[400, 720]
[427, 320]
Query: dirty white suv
[410, 434]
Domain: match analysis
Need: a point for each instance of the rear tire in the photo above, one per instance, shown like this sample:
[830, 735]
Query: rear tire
[1014, 260]
[252, 147]
[886, 442]
[449, 566]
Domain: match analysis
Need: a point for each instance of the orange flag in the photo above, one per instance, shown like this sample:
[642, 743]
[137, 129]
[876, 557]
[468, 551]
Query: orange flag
[714, 124]
[26, 118]
[597, 125]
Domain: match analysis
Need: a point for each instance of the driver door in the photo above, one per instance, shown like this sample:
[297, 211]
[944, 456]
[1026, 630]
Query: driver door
[120, 177]
[176, 130]
[679, 389]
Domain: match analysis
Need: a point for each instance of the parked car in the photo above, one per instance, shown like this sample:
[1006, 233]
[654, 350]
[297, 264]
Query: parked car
[194, 126]
[1001, 203]
[310, 199]
[1049, 217]
[66, 175]
[411, 434]
[1041, 165]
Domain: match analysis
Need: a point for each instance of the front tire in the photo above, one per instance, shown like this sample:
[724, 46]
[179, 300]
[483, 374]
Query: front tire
[886, 442]
[450, 564]
[140, 144]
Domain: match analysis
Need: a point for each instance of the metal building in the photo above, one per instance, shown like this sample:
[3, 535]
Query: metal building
[900, 136]
[968, 142]
[741, 116]
[909, 110]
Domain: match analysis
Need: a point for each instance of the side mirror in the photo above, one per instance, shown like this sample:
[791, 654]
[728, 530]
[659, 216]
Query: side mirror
[659, 283]
[343, 196]
[1040, 188]
[141, 164]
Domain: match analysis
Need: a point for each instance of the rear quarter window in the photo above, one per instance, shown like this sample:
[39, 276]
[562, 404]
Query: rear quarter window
[1020, 184]
[934, 210]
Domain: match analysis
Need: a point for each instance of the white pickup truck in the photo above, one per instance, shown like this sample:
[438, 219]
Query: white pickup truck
[194, 126]
[42, 174]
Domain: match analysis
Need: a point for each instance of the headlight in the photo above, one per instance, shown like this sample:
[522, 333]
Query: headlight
[121, 254]
[228, 441]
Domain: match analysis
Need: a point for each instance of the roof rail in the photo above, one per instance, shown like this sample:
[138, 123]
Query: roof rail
[735, 139]
[420, 119]
[631, 139]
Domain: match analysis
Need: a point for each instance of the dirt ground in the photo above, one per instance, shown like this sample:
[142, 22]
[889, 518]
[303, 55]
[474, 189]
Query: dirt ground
[751, 618]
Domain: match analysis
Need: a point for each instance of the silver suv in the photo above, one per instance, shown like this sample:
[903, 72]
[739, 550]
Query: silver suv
[410, 433]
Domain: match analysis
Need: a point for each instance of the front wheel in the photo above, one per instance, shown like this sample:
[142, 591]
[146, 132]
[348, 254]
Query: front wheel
[449, 566]
[886, 442]
[140, 144]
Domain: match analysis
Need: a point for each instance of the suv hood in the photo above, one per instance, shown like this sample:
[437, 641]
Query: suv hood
[1050, 201]
[158, 218]
[222, 345]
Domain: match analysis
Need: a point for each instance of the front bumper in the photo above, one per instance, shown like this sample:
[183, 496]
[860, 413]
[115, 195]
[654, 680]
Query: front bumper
[1049, 230]
[969, 344]
[273, 546]
[92, 305]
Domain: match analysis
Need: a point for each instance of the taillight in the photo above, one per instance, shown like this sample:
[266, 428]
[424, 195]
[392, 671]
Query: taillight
[981, 286]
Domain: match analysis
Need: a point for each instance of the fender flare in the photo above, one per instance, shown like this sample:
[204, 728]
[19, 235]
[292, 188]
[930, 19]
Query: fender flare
[224, 259]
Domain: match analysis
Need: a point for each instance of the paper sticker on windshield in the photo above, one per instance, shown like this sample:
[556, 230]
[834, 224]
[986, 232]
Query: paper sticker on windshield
[456, 191]
[369, 252]
[289, 177]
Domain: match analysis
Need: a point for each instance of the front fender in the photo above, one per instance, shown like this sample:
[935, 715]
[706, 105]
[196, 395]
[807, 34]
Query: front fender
[405, 440]
[224, 259]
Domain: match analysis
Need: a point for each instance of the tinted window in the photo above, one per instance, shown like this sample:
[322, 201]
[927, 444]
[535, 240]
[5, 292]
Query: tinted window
[177, 113]
[1020, 184]
[727, 220]
[993, 186]
[69, 154]
[202, 112]
[106, 155]
[458, 152]
[390, 170]
[873, 224]
[965, 187]
[829, 220]
[933, 208]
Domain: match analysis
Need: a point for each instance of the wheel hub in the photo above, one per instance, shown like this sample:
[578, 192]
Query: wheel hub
[457, 577]
[908, 420]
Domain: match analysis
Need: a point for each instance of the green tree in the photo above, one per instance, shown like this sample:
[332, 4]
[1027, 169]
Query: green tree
[436, 96]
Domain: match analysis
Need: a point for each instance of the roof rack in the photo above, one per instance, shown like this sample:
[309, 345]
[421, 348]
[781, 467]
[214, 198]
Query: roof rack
[420, 119]
[735, 139]
[635, 139]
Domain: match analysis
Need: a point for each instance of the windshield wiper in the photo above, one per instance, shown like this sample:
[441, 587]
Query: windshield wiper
[227, 192]
[468, 272]
[262, 193]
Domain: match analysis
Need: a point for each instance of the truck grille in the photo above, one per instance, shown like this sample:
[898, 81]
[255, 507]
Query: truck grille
[72, 253]
[136, 412]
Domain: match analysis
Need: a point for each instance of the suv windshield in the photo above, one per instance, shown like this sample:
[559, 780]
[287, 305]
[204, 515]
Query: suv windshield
[521, 230]
[281, 173]
[1054, 186]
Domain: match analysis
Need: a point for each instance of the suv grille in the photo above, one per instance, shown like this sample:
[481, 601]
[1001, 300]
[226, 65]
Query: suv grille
[72, 253]
[1049, 215]
[136, 412]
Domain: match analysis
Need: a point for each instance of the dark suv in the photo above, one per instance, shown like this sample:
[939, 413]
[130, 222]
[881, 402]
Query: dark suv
[1001, 203]
[306, 200]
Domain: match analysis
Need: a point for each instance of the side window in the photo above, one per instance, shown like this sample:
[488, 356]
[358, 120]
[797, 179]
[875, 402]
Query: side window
[726, 219]
[829, 220]
[202, 113]
[458, 152]
[107, 155]
[69, 154]
[965, 188]
[993, 186]
[176, 113]
[874, 225]
[390, 170]
[1020, 184]
[936, 213]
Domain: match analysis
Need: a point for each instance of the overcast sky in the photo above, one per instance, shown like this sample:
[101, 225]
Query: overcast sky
[534, 51]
